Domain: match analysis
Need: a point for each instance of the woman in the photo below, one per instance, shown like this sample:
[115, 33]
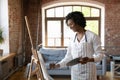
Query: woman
[86, 44]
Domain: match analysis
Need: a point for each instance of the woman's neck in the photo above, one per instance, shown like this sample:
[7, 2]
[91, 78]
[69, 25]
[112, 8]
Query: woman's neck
[81, 32]
[80, 35]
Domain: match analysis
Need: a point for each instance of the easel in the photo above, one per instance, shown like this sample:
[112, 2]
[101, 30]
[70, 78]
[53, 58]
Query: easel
[34, 58]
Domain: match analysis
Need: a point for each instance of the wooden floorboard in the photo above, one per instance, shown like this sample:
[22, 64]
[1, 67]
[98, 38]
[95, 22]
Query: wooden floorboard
[20, 75]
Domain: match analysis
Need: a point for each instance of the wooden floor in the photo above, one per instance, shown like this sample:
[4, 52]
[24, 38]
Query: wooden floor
[20, 75]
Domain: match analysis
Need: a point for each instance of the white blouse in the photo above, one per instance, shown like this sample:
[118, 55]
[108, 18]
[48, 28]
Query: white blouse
[89, 46]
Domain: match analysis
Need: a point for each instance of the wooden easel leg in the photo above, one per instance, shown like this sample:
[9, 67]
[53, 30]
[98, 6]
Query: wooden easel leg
[34, 58]
[39, 73]
[38, 76]
[29, 74]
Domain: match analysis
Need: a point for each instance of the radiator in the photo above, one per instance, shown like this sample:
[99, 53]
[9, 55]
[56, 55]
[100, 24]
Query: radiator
[19, 60]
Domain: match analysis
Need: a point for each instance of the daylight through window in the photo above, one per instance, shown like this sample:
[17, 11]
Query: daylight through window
[57, 34]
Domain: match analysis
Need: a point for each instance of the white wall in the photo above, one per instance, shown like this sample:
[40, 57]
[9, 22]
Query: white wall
[4, 24]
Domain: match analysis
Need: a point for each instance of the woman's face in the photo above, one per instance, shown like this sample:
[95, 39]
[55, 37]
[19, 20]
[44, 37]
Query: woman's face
[72, 25]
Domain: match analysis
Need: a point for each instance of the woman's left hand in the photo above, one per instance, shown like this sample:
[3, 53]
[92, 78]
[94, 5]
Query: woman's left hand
[85, 60]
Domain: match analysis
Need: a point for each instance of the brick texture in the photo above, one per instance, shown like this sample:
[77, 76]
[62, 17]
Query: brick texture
[19, 35]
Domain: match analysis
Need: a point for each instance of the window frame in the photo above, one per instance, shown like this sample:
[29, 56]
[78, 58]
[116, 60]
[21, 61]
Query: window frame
[62, 21]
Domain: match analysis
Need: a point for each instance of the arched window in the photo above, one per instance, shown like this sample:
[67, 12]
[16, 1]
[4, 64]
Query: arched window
[57, 34]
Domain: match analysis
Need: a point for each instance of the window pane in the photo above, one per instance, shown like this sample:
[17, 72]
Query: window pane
[93, 26]
[54, 32]
[50, 42]
[67, 10]
[59, 12]
[66, 41]
[54, 29]
[50, 13]
[68, 33]
[54, 42]
[86, 11]
[95, 12]
[76, 8]
[58, 42]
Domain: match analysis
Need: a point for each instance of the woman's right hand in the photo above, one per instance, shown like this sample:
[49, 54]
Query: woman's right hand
[53, 65]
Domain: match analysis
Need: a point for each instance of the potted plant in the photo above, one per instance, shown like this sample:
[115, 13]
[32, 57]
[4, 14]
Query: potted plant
[1, 40]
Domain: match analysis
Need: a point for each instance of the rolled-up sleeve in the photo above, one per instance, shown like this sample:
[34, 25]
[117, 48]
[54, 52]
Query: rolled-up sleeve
[98, 53]
[66, 59]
